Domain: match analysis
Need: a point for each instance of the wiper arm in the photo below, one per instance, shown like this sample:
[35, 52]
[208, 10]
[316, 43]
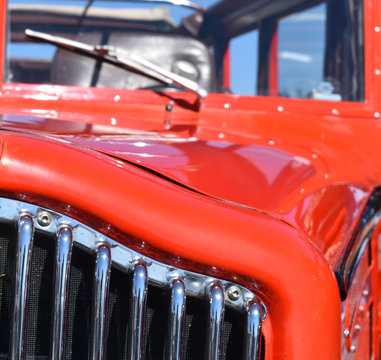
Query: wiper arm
[184, 3]
[121, 58]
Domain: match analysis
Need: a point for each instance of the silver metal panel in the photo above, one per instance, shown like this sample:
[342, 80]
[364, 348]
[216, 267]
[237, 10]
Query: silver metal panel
[101, 287]
[176, 320]
[61, 277]
[23, 258]
[216, 320]
[138, 308]
[253, 332]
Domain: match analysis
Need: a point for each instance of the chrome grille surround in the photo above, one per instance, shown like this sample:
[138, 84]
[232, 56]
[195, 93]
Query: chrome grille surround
[179, 283]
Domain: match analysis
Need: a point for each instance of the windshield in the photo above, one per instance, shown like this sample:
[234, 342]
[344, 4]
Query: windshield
[148, 29]
[300, 49]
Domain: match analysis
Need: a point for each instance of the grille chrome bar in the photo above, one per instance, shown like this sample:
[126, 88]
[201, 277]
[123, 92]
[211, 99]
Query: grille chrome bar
[176, 321]
[101, 287]
[23, 259]
[253, 335]
[144, 271]
[62, 269]
[216, 319]
[138, 307]
[122, 257]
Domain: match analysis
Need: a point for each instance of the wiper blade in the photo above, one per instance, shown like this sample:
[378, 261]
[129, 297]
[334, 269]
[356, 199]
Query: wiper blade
[184, 3]
[123, 59]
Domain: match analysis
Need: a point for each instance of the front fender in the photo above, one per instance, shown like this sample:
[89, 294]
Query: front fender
[289, 273]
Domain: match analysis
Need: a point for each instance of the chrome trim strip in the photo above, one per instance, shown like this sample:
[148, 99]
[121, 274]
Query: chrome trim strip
[196, 284]
[100, 293]
[61, 280]
[253, 332]
[346, 267]
[176, 320]
[216, 320]
[23, 258]
[138, 308]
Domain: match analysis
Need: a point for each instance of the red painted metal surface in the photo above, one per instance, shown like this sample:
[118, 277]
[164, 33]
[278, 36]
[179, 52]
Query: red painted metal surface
[226, 69]
[291, 181]
[190, 226]
[274, 190]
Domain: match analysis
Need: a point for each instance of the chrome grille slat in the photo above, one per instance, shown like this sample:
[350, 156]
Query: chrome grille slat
[177, 286]
[122, 257]
[138, 307]
[62, 269]
[176, 320]
[23, 259]
[100, 296]
[253, 332]
[216, 319]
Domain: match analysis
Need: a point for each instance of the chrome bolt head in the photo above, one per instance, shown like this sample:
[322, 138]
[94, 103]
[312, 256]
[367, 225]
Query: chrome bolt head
[357, 327]
[361, 308]
[347, 333]
[353, 348]
[234, 293]
[44, 218]
[365, 292]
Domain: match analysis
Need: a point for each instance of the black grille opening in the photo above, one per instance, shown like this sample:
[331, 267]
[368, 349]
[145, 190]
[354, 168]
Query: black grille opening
[40, 297]
[156, 323]
[79, 305]
[263, 344]
[195, 328]
[118, 314]
[79, 323]
[8, 236]
[232, 339]
[156, 326]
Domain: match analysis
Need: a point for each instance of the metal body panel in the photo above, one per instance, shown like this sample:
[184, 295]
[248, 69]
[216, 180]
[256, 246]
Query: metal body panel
[159, 211]
[285, 237]
[275, 174]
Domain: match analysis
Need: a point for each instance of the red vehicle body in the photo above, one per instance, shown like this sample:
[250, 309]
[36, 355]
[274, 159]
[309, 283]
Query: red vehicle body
[280, 195]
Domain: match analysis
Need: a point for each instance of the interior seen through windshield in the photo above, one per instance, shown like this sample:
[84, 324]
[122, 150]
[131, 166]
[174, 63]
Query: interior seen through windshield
[313, 50]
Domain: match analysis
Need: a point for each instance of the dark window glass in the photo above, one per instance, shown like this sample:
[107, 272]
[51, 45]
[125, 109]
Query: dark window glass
[301, 54]
[320, 52]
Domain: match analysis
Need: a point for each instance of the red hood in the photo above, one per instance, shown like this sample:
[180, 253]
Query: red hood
[294, 183]
[257, 176]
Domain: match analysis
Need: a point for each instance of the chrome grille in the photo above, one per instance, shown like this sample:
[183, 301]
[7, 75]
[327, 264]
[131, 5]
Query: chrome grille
[144, 274]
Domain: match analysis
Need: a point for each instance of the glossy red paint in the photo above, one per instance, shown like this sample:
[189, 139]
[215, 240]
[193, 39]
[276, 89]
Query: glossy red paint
[279, 184]
[226, 78]
[315, 214]
[293, 182]
[27, 170]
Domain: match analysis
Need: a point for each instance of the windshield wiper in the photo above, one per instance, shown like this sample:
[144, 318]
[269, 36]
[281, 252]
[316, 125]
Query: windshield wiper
[184, 3]
[123, 59]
